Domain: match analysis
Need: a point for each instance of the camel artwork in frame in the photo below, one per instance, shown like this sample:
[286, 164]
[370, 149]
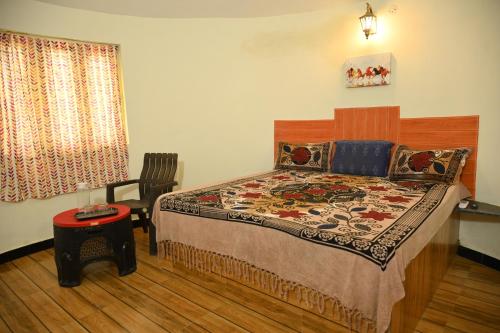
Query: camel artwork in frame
[367, 71]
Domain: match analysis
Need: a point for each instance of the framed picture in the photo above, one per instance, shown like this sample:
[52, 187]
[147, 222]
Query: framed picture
[367, 71]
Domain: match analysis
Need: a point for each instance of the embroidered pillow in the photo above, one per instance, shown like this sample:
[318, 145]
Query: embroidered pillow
[363, 158]
[304, 156]
[442, 165]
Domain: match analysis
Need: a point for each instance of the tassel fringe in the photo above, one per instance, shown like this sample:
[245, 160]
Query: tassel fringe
[267, 282]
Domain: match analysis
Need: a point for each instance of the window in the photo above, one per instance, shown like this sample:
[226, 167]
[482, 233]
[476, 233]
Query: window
[61, 116]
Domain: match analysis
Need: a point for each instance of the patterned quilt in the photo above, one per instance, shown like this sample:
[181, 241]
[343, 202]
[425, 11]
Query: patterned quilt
[368, 216]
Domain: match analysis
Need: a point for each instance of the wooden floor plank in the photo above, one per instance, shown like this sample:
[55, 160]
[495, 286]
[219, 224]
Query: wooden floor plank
[468, 326]
[263, 306]
[461, 301]
[4, 327]
[442, 316]
[476, 294]
[425, 326]
[67, 298]
[52, 315]
[277, 310]
[86, 313]
[134, 321]
[462, 269]
[466, 313]
[15, 314]
[481, 285]
[480, 295]
[219, 321]
[168, 283]
[101, 322]
[291, 316]
[111, 306]
[91, 292]
[151, 309]
[159, 298]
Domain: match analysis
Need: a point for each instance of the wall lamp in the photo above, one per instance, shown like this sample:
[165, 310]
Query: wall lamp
[368, 21]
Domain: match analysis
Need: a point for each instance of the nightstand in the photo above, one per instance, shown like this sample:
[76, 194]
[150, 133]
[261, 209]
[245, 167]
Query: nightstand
[483, 213]
[482, 209]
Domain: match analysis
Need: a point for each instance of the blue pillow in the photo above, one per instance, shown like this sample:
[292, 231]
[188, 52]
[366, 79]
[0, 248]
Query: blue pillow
[363, 158]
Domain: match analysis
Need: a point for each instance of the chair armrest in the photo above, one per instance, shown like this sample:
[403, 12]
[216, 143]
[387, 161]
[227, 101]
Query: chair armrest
[110, 188]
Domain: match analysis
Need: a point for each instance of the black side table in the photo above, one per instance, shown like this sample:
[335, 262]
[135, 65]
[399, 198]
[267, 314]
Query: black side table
[481, 208]
[78, 243]
[480, 211]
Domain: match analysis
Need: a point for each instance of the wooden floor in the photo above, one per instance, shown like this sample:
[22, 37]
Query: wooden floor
[160, 300]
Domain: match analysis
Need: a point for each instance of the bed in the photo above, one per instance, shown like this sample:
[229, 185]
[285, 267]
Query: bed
[354, 249]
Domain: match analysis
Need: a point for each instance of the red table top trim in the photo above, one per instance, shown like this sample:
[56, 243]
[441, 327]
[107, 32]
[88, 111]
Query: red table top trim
[67, 218]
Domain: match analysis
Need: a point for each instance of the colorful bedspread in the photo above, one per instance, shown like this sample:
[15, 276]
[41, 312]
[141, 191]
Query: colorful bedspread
[367, 216]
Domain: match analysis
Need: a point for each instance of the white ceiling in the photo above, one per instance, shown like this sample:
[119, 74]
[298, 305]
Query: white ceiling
[197, 8]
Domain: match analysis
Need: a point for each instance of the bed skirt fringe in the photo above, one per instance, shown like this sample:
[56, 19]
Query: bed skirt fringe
[267, 282]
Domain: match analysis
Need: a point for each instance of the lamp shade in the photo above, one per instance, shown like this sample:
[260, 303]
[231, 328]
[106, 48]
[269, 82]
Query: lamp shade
[368, 21]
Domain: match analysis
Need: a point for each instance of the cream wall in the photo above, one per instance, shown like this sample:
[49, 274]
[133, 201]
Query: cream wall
[210, 89]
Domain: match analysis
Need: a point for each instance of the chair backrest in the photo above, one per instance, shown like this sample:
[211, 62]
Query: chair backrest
[158, 168]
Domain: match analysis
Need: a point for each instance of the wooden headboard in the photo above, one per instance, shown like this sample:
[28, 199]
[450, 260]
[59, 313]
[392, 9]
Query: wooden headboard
[384, 123]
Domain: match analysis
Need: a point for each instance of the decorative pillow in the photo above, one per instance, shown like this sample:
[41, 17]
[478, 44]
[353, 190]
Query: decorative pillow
[304, 156]
[442, 165]
[363, 158]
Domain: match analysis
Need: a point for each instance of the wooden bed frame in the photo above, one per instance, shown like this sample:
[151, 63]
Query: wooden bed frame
[424, 272]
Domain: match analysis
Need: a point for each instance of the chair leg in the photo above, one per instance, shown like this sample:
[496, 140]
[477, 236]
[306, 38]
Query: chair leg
[144, 221]
[153, 248]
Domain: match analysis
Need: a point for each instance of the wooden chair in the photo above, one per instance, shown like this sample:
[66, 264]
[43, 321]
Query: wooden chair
[157, 177]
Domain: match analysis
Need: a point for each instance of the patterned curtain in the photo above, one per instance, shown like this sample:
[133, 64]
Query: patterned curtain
[61, 116]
